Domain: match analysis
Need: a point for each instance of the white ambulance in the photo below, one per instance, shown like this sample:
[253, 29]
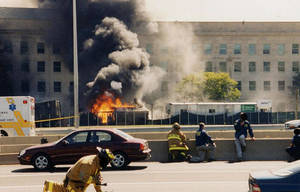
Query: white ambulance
[17, 116]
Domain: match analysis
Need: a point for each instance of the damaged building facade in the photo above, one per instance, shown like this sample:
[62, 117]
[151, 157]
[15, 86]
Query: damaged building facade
[261, 56]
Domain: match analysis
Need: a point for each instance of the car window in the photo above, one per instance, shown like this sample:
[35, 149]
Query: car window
[80, 137]
[123, 134]
[103, 136]
[99, 136]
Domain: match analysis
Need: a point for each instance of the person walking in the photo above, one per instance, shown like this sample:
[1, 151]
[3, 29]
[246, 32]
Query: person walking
[84, 172]
[294, 149]
[178, 149]
[242, 126]
[204, 144]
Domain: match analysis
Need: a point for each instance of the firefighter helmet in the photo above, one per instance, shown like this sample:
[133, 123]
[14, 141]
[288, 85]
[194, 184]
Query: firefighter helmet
[105, 156]
[176, 126]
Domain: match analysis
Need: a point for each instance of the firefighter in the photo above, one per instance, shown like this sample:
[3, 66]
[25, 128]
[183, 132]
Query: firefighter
[178, 149]
[86, 171]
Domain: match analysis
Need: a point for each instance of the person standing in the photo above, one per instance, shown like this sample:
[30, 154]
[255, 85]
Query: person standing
[178, 149]
[204, 144]
[294, 149]
[84, 172]
[242, 126]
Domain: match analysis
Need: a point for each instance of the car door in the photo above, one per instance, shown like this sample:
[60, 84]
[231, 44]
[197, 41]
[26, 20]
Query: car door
[72, 148]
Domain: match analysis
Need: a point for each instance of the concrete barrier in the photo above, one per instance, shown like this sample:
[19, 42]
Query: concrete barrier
[260, 149]
[270, 145]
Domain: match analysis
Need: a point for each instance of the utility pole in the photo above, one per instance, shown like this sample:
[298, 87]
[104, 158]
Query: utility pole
[75, 67]
[297, 100]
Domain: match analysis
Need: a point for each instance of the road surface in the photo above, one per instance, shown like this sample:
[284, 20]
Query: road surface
[147, 177]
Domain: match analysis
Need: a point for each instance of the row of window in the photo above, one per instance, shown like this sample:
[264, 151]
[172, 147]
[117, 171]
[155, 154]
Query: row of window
[237, 49]
[281, 66]
[41, 66]
[252, 49]
[41, 86]
[266, 85]
[7, 47]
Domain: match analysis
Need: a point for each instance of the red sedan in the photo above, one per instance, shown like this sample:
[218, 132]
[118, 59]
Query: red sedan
[79, 143]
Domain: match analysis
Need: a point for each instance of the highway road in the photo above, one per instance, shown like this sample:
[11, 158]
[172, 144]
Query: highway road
[147, 177]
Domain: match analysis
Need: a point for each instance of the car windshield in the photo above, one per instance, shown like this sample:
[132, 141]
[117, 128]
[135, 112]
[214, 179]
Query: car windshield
[123, 134]
[294, 168]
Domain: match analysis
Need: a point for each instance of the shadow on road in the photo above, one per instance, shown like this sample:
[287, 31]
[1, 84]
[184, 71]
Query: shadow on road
[65, 169]
[32, 170]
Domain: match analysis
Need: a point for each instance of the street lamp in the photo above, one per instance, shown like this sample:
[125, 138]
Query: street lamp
[75, 67]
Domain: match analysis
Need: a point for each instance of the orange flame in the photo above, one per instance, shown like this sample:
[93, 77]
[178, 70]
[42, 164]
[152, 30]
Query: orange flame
[104, 107]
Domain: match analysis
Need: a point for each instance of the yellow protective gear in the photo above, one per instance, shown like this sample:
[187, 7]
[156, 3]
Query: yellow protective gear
[86, 171]
[177, 140]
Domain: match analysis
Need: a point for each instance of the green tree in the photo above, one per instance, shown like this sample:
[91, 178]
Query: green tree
[190, 89]
[220, 87]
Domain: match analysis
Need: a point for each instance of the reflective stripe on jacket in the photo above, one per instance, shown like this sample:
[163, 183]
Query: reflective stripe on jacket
[177, 140]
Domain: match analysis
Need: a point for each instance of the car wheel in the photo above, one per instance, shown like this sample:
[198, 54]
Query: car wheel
[120, 161]
[42, 162]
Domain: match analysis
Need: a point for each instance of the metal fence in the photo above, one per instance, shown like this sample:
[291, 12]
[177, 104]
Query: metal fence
[184, 118]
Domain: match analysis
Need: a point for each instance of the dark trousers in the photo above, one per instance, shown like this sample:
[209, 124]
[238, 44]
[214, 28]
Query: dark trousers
[294, 152]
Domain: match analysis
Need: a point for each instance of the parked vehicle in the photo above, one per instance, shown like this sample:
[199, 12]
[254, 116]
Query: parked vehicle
[292, 124]
[17, 116]
[79, 143]
[286, 179]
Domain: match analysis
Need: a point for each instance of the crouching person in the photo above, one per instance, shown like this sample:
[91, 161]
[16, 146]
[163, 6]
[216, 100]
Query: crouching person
[294, 149]
[204, 145]
[84, 172]
[178, 149]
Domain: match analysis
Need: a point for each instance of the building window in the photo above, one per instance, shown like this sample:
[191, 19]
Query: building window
[25, 66]
[56, 66]
[164, 86]
[164, 65]
[223, 49]
[207, 49]
[252, 85]
[267, 66]
[295, 67]
[252, 66]
[71, 87]
[40, 48]
[56, 49]
[266, 49]
[57, 86]
[41, 66]
[8, 47]
[211, 110]
[223, 66]
[267, 85]
[295, 48]
[281, 49]
[239, 85]
[25, 86]
[281, 85]
[208, 66]
[237, 49]
[251, 49]
[24, 47]
[149, 48]
[237, 67]
[281, 66]
[41, 86]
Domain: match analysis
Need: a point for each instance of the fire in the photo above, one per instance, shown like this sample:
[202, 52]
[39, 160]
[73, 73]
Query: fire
[105, 105]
